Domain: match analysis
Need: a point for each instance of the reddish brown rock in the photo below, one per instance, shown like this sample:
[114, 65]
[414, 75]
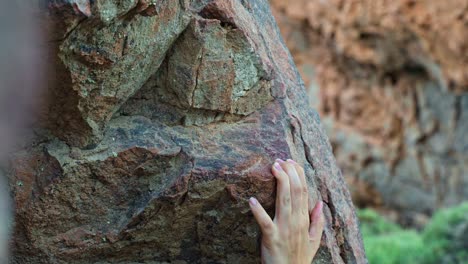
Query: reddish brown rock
[392, 92]
[163, 123]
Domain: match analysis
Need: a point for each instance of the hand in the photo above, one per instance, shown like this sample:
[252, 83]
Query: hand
[295, 233]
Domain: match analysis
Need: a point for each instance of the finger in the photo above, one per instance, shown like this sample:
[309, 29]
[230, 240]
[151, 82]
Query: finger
[263, 219]
[310, 207]
[295, 188]
[283, 193]
[317, 223]
[304, 191]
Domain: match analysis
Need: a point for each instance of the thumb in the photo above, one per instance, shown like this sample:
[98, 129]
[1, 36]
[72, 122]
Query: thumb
[317, 223]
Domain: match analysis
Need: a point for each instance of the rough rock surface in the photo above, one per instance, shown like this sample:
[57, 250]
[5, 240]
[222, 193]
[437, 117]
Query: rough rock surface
[392, 91]
[164, 118]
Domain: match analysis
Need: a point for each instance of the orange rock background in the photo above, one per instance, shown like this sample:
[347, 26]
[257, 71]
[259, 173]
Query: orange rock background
[390, 81]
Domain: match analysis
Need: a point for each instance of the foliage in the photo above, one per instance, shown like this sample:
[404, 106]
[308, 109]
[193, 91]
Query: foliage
[444, 240]
[388, 243]
[447, 236]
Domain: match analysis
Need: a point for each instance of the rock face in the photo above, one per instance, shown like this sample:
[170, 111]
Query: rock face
[392, 91]
[163, 119]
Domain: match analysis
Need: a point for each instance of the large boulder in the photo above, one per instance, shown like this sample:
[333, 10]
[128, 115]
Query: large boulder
[164, 117]
[389, 79]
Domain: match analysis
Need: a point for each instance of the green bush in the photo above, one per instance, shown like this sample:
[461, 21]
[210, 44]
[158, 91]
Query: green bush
[388, 243]
[446, 236]
[444, 240]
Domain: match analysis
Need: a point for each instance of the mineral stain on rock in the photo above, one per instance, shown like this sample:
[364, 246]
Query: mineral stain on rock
[165, 118]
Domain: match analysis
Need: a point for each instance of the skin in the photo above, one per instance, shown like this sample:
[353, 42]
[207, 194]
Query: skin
[294, 235]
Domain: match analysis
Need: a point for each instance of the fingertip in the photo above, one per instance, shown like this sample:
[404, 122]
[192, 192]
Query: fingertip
[294, 164]
[317, 212]
[253, 202]
[277, 167]
[261, 216]
[320, 206]
[317, 221]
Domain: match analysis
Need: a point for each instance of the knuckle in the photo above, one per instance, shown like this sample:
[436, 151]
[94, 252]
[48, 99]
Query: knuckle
[288, 167]
[268, 227]
[282, 177]
[297, 188]
[313, 240]
[269, 241]
[305, 224]
[277, 243]
[285, 232]
[286, 200]
[299, 169]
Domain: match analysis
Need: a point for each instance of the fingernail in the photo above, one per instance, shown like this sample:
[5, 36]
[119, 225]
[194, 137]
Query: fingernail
[291, 161]
[279, 161]
[253, 201]
[277, 166]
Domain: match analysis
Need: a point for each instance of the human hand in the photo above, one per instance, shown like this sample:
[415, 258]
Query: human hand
[295, 233]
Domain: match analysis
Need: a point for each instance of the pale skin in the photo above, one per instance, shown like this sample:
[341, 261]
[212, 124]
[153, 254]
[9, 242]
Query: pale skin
[294, 235]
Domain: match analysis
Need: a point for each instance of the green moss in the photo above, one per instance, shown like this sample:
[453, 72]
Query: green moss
[444, 240]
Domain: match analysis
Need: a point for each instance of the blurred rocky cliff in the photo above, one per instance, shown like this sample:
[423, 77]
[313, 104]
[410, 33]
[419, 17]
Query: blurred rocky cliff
[390, 81]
